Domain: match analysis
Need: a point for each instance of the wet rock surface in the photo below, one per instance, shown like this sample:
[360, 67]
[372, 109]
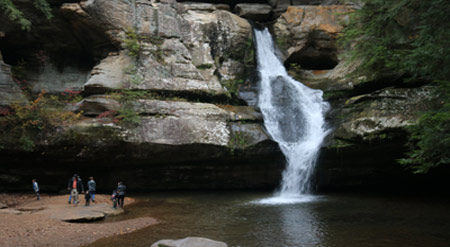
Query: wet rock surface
[190, 242]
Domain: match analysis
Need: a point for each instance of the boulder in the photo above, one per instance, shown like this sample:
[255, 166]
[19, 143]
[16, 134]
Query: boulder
[189, 242]
[84, 214]
[2, 206]
[254, 11]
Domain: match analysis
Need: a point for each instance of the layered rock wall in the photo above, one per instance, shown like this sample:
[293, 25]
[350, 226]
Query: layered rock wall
[185, 72]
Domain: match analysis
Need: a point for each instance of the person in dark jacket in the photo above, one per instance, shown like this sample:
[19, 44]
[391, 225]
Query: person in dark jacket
[121, 188]
[87, 198]
[92, 186]
[36, 189]
[114, 198]
[75, 186]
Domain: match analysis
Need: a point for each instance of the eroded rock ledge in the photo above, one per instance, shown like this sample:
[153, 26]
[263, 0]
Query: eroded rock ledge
[199, 126]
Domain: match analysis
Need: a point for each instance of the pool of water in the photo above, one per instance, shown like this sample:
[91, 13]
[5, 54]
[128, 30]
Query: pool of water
[249, 220]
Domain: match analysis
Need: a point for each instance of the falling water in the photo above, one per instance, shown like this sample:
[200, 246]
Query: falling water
[293, 116]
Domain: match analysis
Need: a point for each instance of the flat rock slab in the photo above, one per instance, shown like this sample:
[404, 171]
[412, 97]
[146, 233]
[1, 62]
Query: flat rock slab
[10, 211]
[2, 206]
[189, 242]
[84, 214]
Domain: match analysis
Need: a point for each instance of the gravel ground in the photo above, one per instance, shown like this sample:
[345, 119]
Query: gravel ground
[36, 227]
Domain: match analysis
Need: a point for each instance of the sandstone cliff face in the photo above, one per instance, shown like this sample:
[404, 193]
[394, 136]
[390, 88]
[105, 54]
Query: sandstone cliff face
[192, 65]
[369, 113]
[191, 60]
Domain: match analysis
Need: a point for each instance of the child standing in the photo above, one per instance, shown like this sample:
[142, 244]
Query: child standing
[87, 197]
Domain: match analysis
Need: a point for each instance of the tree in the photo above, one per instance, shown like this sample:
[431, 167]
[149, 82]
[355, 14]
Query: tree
[410, 38]
[14, 14]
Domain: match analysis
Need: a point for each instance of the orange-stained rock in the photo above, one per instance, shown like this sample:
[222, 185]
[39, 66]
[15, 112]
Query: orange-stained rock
[324, 18]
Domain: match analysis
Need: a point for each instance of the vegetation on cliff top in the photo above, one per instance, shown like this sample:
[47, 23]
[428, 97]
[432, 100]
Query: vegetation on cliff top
[409, 38]
[16, 15]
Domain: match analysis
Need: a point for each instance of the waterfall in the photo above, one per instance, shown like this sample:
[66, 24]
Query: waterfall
[293, 116]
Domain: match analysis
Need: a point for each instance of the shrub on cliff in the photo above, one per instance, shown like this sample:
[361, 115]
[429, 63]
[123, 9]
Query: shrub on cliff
[410, 38]
[27, 125]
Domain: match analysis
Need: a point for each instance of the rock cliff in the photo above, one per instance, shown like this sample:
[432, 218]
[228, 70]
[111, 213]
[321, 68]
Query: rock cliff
[182, 73]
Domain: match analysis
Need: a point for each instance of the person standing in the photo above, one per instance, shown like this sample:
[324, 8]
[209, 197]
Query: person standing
[87, 198]
[36, 189]
[75, 186]
[121, 188]
[92, 187]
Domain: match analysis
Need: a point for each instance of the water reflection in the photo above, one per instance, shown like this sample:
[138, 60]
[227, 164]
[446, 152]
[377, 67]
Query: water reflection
[327, 221]
[301, 226]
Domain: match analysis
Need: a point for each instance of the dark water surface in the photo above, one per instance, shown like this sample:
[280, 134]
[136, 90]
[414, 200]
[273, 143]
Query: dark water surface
[348, 220]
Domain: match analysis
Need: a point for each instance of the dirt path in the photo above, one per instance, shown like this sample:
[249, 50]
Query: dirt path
[35, 223]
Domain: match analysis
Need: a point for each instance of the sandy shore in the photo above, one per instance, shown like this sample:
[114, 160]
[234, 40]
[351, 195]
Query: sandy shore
[35, 225]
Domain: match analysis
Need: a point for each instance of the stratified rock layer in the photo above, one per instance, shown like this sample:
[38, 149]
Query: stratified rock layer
[188, 70]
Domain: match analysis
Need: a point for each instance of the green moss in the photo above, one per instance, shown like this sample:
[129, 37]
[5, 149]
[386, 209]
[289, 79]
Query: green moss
[283, 41]
[205, 66]
[238, 140]
[336, 94]
[233, 86]
[339, 143]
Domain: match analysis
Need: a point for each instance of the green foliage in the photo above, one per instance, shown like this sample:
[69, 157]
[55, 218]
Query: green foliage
[44, 7]
[283, 41]
[135, 79]
[409, 38]
[132, 43]
[233, 86]
[17, 16]
[127, 116]
[295, 70]
[30, 123]
[430, 137]
[238, 140]
[249, 57]
[205, 66]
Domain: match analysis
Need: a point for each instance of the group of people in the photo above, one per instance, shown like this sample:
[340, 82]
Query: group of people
[75, 186]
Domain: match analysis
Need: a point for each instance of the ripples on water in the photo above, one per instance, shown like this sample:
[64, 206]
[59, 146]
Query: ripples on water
[250, 220]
